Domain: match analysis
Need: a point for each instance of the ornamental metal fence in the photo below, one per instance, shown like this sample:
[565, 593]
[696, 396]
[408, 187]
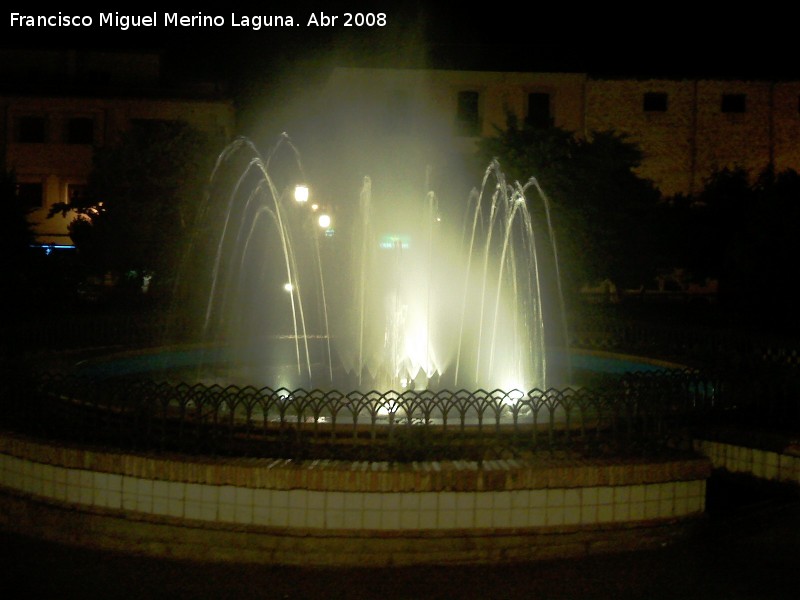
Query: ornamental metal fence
[638, 413]
[739, 384]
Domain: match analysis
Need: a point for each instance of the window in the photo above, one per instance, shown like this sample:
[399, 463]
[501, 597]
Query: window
[75, 193]
[31, 194]
[734, 103]
[467, 118]
[539, 110]
[80, 130]
[654, 102]
[31, 130]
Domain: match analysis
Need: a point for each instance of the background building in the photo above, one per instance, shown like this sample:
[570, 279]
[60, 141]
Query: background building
[59, 107]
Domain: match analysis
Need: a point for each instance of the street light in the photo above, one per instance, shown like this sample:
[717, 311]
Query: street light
[324, 221]
[301, 193]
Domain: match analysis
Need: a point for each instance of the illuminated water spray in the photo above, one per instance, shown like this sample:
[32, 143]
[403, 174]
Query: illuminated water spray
[410, 301]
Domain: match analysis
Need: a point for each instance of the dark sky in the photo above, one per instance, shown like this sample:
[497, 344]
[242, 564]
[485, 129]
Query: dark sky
[654, 39]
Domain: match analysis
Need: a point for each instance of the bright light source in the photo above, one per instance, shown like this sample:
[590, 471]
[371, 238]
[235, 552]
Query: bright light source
[288, 287]
[314, 206]
[324, 221]
[301, 193]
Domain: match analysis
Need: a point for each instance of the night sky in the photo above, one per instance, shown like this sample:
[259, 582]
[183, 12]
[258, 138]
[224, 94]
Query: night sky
[679, 39]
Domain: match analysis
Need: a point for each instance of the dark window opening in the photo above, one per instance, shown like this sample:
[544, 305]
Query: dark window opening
[31, 194]
[734, 103]
[467, 119]
[655, 102]
[75, 193]
[539, 110]
[80, 131]
[31, 130]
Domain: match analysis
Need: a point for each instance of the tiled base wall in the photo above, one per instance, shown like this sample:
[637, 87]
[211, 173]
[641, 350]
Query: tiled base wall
[344, 513]
[781, 467]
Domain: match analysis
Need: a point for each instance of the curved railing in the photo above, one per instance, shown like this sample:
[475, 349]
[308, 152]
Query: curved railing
[743, 381]
[636, 413]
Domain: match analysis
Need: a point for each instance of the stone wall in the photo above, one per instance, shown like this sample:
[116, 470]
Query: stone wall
[336, 513]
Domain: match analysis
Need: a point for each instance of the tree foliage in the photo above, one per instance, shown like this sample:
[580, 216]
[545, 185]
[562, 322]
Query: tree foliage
[741, 230]
[601, 208]
[16, 235]
[141, 198]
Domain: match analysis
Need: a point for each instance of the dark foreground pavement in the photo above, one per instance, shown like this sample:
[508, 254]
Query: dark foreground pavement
[748, 547]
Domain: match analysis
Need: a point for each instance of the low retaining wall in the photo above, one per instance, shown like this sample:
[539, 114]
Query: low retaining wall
[782, 466]
[336, 513]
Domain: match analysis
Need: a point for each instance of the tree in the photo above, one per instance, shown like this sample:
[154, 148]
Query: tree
[601, 209]
[740, 229]
[16, 237]
[141, 198]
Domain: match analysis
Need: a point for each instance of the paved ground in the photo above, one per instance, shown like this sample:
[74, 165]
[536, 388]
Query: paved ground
[749, 549]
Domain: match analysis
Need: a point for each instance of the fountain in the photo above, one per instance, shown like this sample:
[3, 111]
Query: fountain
[321, 349]
[394, 298]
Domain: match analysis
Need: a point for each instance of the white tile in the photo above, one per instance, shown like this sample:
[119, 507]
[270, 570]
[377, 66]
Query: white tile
[539, 516]
[160, 489]
[261, 515]
[193, 509]
[429, 501]
[605, 513]
[465, 518]
[572, 515]
[353, 519]
[209, 494]
[390, 519]
[622, 511]
[334, 519]
[589, 496]
[226, 494]
[589, 513]
[316, 500]
[298, 517]
[520, 499]
[409, 501]
[194, 492]
[484, 518]
[501, 517]
[160, 506]
[554, 515]
[334, 501]
[243, 513]
[572, 497]
[262, 499]
[315, 518]
[501, 500]
[429, 519]
[519, 517]
[371, 519]
[354, 501]
[279, 516]
[555, 498]
[280, 498]
[209, 511]
[622, 494]
[681, 506]
[605, 495]
[638, 493]
[447, 501]
[175, 508]
[666, 490]
[373, 501]
[390, 501]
